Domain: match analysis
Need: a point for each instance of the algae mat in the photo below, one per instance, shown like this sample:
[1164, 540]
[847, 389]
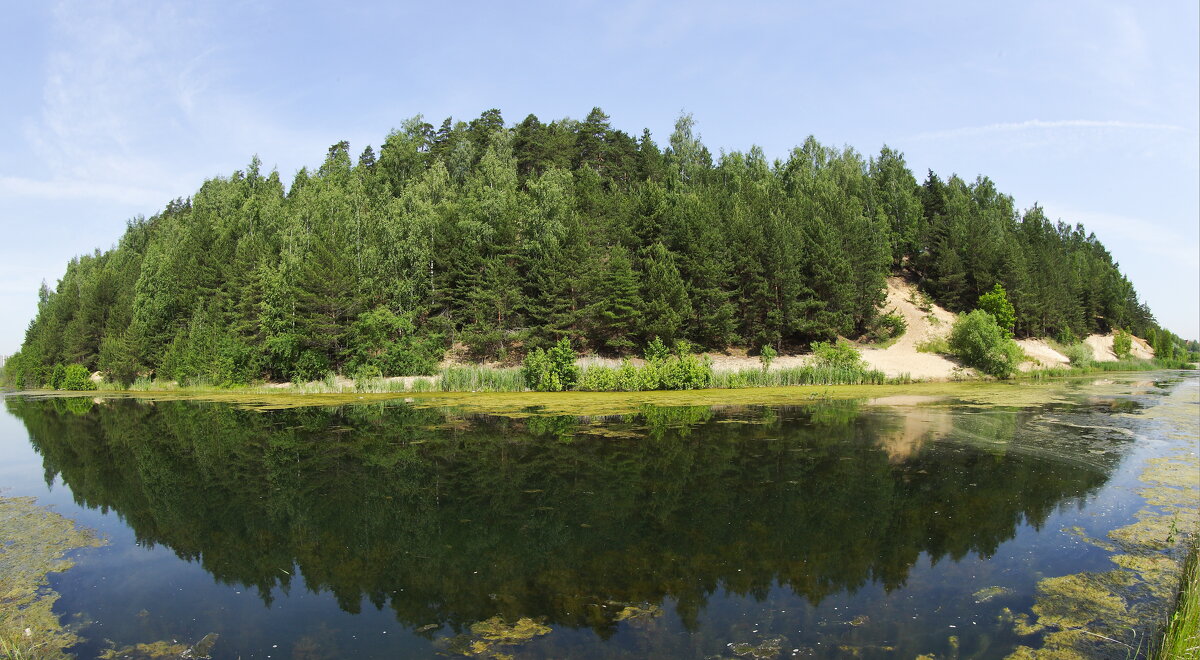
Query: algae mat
[34, 542]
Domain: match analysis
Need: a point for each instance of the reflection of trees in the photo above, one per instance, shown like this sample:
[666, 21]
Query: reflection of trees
[454, 519]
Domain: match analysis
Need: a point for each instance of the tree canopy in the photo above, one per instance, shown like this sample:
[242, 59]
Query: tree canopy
[503, 239]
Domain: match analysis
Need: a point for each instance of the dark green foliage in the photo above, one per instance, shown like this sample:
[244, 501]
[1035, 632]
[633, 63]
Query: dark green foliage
[995, 302]
[76, 377]
[551, 370]
[981, 343]
[506, 239]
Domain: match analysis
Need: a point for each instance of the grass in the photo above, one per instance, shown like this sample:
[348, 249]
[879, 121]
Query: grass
[936, 345]
[1181, 638]
[481, 379]
[1130, 364]
[806, 375]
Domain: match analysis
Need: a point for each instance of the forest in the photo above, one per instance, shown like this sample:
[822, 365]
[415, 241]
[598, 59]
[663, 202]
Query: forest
[501, 239]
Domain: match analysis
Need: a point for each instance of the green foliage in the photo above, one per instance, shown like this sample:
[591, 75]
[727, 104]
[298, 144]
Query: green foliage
[886, 328]
[498, 237]
[1122, 344]
[936, 345]
[980, 342]
[837, 355]
[995, 302]
[766, 356]
[551, 370]
[56, 377]
[76, 377]
[479, 379]
[389, 343]
[1080, 354]
[656, 351]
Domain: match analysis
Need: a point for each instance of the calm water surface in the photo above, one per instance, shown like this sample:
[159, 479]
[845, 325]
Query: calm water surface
[886, 529]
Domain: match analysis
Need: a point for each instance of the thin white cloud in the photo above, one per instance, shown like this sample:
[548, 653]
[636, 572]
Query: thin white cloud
[1125, 234]
[1038, 124]
[57, 189]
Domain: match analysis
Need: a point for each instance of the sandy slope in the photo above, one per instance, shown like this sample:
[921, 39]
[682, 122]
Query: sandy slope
[902, 357]
[1102, 348]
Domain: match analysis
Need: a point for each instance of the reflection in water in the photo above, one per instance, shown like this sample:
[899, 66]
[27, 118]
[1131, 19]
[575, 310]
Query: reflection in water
[454, 519]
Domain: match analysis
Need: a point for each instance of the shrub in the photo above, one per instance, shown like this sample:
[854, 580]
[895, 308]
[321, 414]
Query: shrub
[841, 354]
[76, 377]
[887, 326]
[56, 377]
[766, 356]
[656, 351]
[551, 370]
[1079, 354]
[311, 365]
[995, 302]
[981, 343]
[1122, 344]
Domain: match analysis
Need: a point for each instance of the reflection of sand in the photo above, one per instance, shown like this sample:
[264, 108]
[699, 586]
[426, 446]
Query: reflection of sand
[916, 427]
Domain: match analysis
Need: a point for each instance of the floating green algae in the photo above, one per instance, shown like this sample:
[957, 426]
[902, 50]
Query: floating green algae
[33, 543]
[162, 650]
[489, 636]
[988, 593]
[767, 648]
[1091, 614]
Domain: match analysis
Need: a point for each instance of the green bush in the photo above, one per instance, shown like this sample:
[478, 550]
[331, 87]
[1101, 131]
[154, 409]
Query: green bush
[76, 377]
[766, 356]
[311, 365]
[995, 302]
[1079, 354]
[981, 343]
[841, 354]
[656, 351]
[551, 370]
[56, 377]
[1122, 344]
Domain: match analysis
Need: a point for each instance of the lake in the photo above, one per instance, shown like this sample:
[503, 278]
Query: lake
[956, 523]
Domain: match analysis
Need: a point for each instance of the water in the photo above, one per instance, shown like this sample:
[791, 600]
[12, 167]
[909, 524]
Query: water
[885, 529]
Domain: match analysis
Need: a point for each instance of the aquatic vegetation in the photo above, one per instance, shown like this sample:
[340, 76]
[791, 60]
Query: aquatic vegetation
[988, 593]
[33, 543]
[489, 636]
[1089, 612]
[1181, 638]
[767, 648]
[162, 650]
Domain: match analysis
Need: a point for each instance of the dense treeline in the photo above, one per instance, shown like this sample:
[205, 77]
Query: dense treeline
[507, 238]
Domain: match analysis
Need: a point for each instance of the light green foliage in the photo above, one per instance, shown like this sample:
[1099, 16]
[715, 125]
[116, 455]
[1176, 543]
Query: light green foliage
[936, 345]
[995, 302]
[766, 356]
[981, 343]
[840, 354]
[76, 377]
[551, 370]
[1080, 354]
[656, 351]
[1122, 344]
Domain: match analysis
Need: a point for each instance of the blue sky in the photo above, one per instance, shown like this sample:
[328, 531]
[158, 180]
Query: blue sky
[1090, 109]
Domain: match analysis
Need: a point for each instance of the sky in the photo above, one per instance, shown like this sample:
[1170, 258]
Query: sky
[1089, 109]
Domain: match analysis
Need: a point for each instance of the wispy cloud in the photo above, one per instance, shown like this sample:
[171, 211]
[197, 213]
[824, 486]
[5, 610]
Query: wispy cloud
[1128, 234]
[1038, 124]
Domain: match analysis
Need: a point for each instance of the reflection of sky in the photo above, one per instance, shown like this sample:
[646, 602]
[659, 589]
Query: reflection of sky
[1090, 110]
